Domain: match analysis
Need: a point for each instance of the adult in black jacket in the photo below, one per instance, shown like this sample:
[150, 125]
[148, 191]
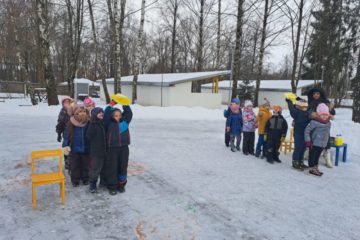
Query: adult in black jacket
[97, 138]
[317, 96]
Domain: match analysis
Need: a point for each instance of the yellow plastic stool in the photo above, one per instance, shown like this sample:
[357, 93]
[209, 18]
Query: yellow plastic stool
[288, 144]
[47, 178]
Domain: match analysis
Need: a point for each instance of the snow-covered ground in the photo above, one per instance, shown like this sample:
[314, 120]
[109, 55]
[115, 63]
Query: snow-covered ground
[185, 184]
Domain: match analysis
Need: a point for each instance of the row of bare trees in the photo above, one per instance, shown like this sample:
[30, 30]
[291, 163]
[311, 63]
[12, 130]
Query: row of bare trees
[56, 41]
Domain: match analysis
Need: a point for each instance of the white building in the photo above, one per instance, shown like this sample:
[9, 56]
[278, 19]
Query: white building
[171, 89]
[273, 90]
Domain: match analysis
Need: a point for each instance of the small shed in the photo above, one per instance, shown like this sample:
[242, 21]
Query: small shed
[170, 89]
[273, 90]
[82, 87]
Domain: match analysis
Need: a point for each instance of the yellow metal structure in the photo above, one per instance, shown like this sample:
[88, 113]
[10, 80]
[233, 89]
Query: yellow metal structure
[215, 85]
[47, 178]
[288, 144]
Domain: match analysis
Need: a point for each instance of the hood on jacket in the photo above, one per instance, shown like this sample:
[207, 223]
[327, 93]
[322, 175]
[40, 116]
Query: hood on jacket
[94, 114]
[311, 92]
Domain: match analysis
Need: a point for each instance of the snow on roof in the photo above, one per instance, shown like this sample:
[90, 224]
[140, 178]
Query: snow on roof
[82, 80]
[169, 78]
[283, 85]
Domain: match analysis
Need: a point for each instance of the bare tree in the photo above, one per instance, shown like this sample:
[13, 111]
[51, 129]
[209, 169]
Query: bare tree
[175, 5]
[271, 7]
[76, 23]
[218, 36]
[237, 51]
[102, 68]
[44, 46]
[138, 52]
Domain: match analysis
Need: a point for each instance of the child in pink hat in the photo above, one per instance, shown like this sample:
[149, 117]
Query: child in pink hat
[317, 135]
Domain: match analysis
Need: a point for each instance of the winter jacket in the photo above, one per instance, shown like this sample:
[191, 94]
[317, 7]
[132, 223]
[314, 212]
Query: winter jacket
[235, 123]
[96, 136]
[63, 120]
[249, 120]
[318, 133]
[263, 116]
[75, 138]
[276, 128]
[301, 118]
[118, 134]
[228, 111]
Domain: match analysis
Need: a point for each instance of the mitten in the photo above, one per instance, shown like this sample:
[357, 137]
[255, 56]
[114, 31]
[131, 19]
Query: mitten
[308, 144]
[66, 151]
[59, 138]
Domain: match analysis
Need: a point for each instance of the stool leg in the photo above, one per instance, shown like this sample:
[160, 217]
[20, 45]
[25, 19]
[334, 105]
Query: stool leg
[62, 192]
[34, 196]
[337, 156]
[344, 153]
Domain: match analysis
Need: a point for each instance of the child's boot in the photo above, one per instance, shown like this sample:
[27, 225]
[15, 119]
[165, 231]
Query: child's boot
[121, 186]
[296, 164]
[327, 157]
[277, 159]
[257, 154]
[303, 165]
[232, 145]
[92, 187]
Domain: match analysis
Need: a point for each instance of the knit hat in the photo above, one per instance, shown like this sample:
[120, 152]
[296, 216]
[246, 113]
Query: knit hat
[88, 101]
[266, 103]
[248, 103]
[322, 109]
[302, 103]
[236, 101]
[95, 112]
[277, 108]
[66, 98]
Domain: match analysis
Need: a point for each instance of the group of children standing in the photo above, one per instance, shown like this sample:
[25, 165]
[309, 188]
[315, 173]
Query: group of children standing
[96, 143]
[311, 122]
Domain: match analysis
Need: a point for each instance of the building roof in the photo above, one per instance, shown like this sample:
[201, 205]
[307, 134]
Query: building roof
[169, 79]
[267, 85]
[81, 80]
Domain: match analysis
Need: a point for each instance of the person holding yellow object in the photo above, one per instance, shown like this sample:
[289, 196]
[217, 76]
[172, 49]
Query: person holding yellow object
[275, 132]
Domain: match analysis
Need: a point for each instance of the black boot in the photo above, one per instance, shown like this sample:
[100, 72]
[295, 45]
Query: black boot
[257, 154]
[303, 165]
[296, 165]
[92, 187]
[121, 186]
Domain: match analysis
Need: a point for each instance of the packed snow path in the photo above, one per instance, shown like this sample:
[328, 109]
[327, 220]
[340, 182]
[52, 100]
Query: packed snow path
[186, 185]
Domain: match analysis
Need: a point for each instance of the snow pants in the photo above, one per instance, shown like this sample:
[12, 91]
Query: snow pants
[96, 166]
[261, 144]
[249, 142]
[272, 149]
[79, 167]
[227, 138]
[314, 155]
[116, 166]
[232, 140]
[300, 147]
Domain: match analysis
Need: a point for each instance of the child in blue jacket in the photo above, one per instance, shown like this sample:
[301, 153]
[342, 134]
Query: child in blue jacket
[118, 141]
[301, 117]
[76, 144]
[234, 124]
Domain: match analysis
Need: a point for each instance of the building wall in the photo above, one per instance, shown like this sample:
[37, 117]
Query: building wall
[275, 97]
[178, 95]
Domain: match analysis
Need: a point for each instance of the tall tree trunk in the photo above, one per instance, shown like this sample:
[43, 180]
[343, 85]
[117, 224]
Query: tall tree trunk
[44, 46]
[173, 38]
[237, 52]
[138, 53]
[196, 85]
[75, 40]
[218, 36]
[294, 83]
[102, 68]
[261, 52]
[356, 94]
[116, 44]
